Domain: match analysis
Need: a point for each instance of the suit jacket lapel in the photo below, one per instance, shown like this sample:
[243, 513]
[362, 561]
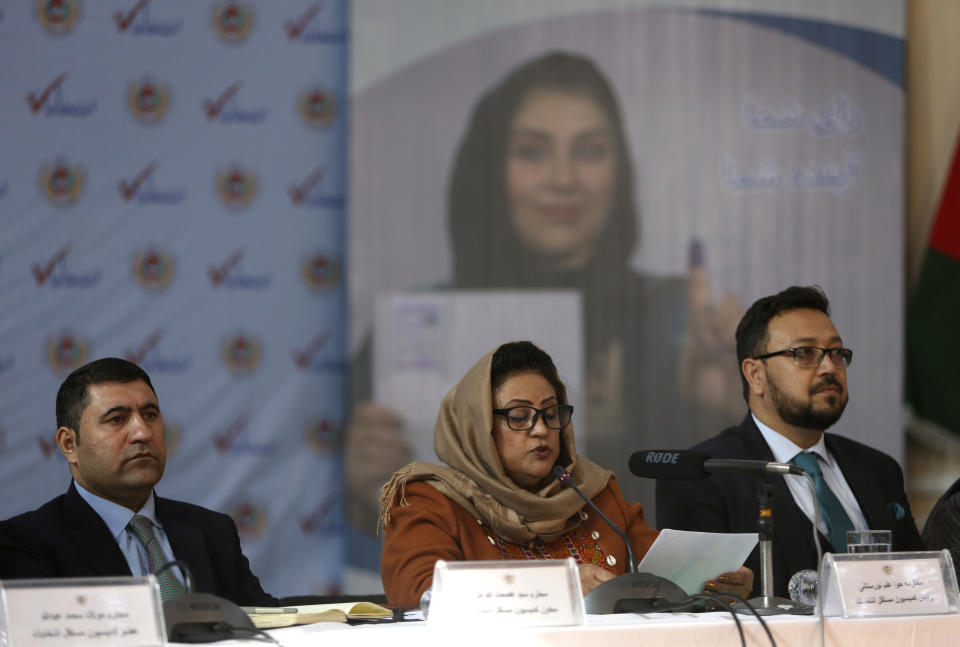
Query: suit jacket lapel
[188, 544]
[863, 484]
[84, 528]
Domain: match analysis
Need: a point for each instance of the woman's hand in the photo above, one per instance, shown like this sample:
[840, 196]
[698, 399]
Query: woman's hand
[591, 576]
[738, 582]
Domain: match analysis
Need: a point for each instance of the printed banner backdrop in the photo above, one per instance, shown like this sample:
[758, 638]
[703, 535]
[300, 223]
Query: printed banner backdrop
[172, 191]
[750, 150]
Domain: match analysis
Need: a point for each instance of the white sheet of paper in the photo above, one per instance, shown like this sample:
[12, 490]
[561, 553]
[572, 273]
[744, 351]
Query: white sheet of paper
[689, 559]
[424, 342]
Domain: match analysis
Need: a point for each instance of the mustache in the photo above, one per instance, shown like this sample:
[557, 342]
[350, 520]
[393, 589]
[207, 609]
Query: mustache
[828, 380]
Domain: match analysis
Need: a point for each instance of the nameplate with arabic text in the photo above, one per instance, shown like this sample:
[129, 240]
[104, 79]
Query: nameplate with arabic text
[95, 611]
[508, 593]
[891, 584]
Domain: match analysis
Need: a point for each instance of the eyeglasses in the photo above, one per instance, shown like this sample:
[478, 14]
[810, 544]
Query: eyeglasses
[812, 356]
[522, 418]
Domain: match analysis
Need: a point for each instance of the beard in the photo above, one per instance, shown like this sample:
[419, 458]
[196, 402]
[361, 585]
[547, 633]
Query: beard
[804, 415]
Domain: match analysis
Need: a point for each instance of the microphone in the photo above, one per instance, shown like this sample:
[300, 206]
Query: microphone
[692, 465]
[564, 477]
[201, 617]
[632, 591]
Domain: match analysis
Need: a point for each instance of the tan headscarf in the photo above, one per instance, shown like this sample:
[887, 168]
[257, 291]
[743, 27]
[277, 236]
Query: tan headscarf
[476, 479]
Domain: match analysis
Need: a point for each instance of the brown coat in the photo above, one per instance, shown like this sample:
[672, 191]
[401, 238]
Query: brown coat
[433, 527]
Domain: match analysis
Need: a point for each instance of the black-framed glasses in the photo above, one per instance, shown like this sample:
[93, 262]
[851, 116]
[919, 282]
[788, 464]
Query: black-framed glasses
[523, 417]
[812, 356]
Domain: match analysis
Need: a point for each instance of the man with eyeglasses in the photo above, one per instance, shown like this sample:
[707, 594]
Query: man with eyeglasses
[793, 368]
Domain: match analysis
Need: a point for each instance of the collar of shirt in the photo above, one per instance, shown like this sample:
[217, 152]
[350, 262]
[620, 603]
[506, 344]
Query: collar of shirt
[785, 449]
[115, 515]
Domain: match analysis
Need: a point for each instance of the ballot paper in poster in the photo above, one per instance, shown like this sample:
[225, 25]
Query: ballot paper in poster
[688, 559]
[424, 342]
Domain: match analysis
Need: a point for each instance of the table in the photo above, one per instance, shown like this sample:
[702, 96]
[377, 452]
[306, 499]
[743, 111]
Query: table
[650, 630]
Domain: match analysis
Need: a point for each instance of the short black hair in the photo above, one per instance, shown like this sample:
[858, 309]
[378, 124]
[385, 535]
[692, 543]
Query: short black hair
[752, 334]
[74, 396]
[525, 357]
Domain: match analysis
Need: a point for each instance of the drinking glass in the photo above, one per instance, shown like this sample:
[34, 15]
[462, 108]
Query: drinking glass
[868, 541]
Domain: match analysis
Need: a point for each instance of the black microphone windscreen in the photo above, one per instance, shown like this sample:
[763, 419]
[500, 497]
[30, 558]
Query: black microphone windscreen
[684, 464]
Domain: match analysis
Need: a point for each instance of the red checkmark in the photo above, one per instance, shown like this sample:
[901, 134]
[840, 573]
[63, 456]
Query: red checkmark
[46, 446]
[127, 191]
[124, 21]
[302, 358]
[299, 193]
[36, 102]
[138, 355]
[218, 274]
[213, 108]
[295, 28]
[41, 274]
[223, 442]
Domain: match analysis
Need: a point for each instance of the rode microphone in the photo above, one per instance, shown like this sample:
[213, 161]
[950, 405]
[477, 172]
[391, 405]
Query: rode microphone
[632, 591]
[692, 464]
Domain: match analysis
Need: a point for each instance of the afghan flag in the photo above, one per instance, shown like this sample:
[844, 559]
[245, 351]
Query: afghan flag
[933, 318]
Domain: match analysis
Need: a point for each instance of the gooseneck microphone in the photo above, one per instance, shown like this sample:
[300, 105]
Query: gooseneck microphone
[564, 477]
[692, 465]
[632, 591]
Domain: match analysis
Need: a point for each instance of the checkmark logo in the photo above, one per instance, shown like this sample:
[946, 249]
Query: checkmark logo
[295, 27]
[42, 273]
[36, 102]
[46, 446]
[124, 21]
[223, 442]
[299, 193]
[128, 190]
[218, 274]
[213, 108]
[140, 353]
[303, 358]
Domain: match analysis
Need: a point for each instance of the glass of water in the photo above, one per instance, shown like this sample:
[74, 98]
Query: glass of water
[868, 541]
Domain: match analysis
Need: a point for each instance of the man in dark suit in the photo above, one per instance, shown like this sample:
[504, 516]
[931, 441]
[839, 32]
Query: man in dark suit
[793, 370]
[110, 522]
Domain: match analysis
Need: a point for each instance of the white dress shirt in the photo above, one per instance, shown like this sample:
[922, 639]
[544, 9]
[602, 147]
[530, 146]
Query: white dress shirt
[783, 452]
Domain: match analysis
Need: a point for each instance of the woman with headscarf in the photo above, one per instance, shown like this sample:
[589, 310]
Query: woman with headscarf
[500, 431]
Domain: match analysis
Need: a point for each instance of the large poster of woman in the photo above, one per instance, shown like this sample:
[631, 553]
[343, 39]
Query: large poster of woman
[667, 164]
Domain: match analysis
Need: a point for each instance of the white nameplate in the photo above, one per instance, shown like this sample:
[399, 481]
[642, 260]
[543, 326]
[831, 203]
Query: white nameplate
[120, 612]
[890, 584]
[516, 593]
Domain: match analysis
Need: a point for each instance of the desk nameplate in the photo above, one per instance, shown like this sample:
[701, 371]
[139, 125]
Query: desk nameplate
[889, 584]
[96, 611]
[515, 593]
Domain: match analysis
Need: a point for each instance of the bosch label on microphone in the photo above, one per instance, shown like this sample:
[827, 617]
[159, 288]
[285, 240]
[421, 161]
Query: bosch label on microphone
[666, 458]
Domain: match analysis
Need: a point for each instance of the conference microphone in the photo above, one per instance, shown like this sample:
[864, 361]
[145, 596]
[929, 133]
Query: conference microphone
[692, 464]
[632, 591]
[202, 617]
[564, 477]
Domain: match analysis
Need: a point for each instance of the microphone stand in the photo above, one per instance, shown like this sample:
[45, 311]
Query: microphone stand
[767, 603]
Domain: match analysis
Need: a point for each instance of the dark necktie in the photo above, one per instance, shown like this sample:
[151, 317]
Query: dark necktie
[836, 517]
[170, 586]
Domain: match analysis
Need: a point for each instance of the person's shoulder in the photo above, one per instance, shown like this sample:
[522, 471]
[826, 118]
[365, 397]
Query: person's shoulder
[732, 440]
[46, 514]
[855, 449]
[190, 512]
